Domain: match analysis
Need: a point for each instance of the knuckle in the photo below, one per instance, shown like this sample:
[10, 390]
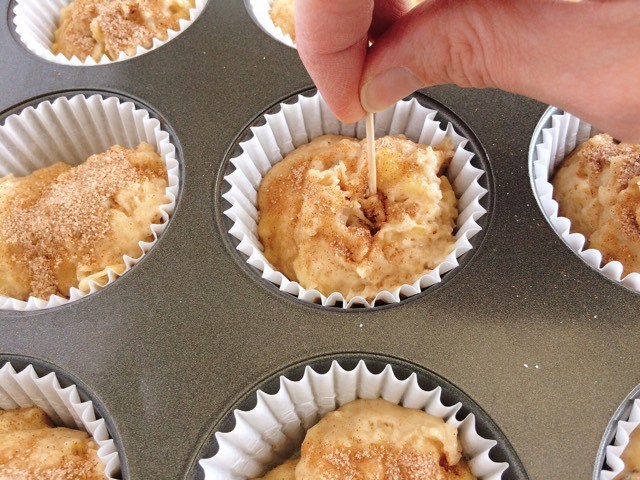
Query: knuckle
[462, 64]
[467, 59]
[471, 46]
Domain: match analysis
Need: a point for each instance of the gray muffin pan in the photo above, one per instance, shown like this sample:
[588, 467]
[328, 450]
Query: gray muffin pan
[546, 346]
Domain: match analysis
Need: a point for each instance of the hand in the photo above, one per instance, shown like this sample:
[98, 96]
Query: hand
[581, 56]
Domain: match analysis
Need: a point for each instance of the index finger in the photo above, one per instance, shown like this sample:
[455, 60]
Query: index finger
[332, 39]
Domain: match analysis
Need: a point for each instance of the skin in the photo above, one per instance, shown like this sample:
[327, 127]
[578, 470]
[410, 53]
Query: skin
[581, 56]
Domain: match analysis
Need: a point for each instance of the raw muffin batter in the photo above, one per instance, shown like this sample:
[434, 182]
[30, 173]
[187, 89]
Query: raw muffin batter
[286, 471]
[107, 27]
[62, 226]
[32, 449]
[631, 458]
[597, 187]
[319, 226]
[368, 439]
[281, 13]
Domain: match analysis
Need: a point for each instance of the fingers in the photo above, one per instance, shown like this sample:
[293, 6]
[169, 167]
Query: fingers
[583, 57]
[592, 65]
[332, 38]
[385, 14]
[440, 41]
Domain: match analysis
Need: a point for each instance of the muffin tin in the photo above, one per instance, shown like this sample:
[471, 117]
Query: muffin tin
[545, 345]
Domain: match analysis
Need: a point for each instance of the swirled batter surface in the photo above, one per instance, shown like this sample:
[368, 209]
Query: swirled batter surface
[320, 227]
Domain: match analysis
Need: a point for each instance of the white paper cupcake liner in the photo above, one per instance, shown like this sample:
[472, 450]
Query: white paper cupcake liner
[549, 147]
[36, 21]
[71, 130]
[620, 442]
[63, 405]
[260, 10]
[297, 124]
[270, 432]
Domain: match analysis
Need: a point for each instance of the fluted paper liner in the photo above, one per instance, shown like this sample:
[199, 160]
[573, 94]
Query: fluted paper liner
[71, 130]
[260, 9]
[270, 432]
[620, 442]
[37, 20]
[63, 405]
[297, 124]
[551, 146]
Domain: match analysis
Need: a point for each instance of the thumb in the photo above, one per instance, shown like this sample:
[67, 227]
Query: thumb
[580, 56]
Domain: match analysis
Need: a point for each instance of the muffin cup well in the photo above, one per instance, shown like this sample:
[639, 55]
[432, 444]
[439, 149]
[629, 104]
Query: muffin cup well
[309, 117]
[35, 22]
[272, 430]
[25, 388]
[71, 129]
[259, 10]
[556, 136]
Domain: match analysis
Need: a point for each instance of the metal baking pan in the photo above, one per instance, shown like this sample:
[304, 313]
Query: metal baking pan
[542, 343]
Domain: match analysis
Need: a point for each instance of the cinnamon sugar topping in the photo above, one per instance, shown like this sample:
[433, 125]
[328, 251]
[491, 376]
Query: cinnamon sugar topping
[628, 222]
[31, 448]
[598, 156]
[626, 156]
[598, 188]
[79, 468]
[392, 463]
[98, 27]
[376, 439]
[73, 210]
[56, 224]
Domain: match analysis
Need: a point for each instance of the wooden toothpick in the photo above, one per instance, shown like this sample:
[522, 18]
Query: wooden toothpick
[371, 154]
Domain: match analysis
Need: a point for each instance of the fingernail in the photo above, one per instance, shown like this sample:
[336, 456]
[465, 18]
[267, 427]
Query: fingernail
[387, 88]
